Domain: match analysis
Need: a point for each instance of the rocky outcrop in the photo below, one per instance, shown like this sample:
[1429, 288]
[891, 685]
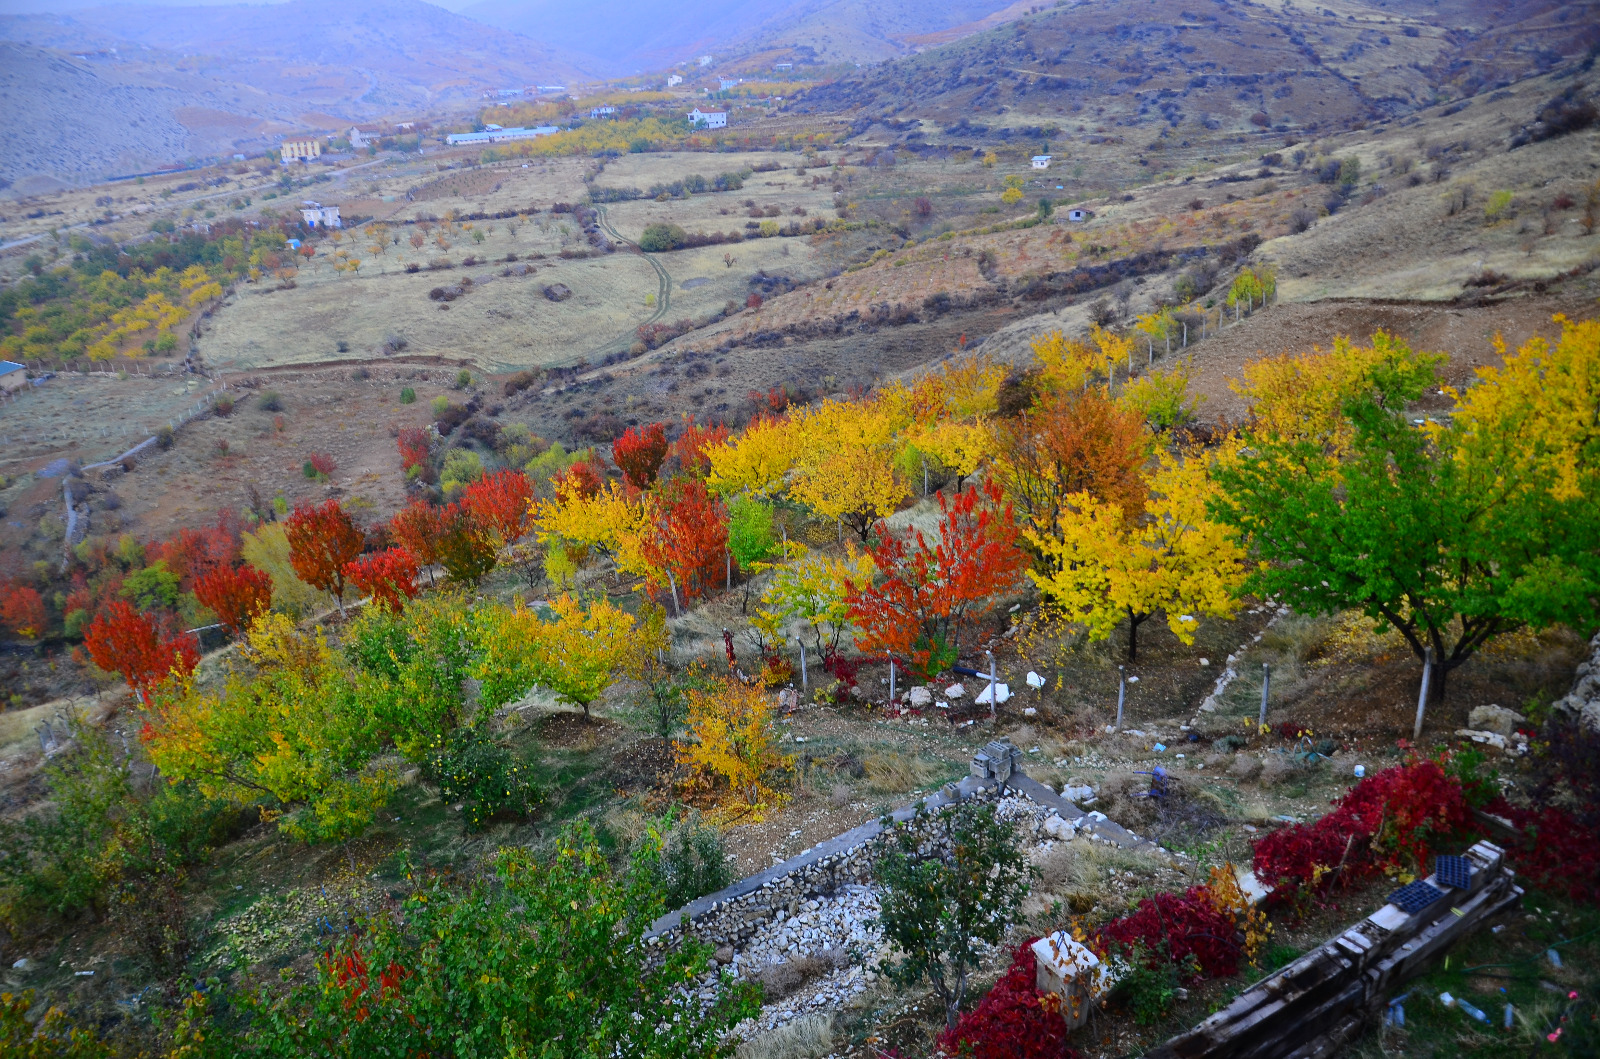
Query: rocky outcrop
[1582, 703]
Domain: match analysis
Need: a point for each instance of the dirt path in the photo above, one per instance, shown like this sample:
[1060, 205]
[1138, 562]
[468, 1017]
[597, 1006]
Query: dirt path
[663, 289]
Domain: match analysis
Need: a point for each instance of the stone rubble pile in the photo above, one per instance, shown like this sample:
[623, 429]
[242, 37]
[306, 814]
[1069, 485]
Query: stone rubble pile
[835, 928]
[1582, 703]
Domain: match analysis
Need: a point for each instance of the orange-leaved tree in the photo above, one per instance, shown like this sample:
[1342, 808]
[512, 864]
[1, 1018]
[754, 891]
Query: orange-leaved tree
[121, 640]
[238, 595]
[732, 739]
[322, 540]
[638, 453]
[1072, 442]
[414, 443]
[582, 478]
[388, 578]
[690, 539]
[499, 504]
[926, 594]
[419, 527]
[22, 611]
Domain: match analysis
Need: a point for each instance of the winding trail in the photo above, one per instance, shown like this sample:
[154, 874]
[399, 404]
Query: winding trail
[663, 289]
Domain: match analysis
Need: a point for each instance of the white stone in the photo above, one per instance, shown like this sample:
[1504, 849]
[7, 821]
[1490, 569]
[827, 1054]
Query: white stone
[1072, 972]
[1030, 712]
[955, 691]
[921, 696]
[1035, 680]
[1495, 719]
[1077, 792]
[1057, 828]
[996, 692]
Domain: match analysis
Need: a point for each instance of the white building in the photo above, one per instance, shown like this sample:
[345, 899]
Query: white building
[725, 83]
[1078, 215]
[701, 119]
[315, 213]
[1041, 161]
[705, 60]
[674, 80]
[602, 112]
[495, 134]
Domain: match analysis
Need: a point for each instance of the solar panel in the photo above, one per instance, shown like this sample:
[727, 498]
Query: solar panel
[1453, 871]
[1416, 896]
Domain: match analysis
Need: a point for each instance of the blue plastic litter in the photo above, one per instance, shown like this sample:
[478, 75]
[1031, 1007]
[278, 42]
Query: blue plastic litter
[1555, 957]
[1414, 897]
[1397, 1012]
[1453, 871]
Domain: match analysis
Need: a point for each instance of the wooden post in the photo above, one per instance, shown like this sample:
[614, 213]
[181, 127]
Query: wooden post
[1122, 692]
[1266, 683]
[1422, 698]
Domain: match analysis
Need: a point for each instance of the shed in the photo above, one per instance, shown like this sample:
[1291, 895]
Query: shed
[1041, 161]
[13, 376]
[1078, 215]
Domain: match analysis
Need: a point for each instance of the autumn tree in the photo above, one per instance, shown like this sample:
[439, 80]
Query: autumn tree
[121, 640]
[419, 527]
[732, 739]
[816, 589]
[22, 611]
[1104, 565]
[576, 656]
[694, 443]
[499, 504]
[1072, 443]
[322, 541]
[638, 453]
[236, 594]
[466, 548]
[689, 536]
[1450, 534]
[388, 578]
[926, 594]
[414, 445]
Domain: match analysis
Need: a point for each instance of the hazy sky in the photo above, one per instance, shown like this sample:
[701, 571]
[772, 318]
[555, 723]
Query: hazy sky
[33, 7]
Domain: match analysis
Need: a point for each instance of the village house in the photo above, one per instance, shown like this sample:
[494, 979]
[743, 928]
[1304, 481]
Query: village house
[783, 68]
[316, 214]
[303, 150]
[13, 376]
[1041, 161]
[673, 80]
[1078, 215]
[602, 112]
[725, 83]
[702, 119]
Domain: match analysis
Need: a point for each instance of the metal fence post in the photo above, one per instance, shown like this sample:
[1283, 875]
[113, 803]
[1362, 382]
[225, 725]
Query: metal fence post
[1266, 684]
[1422, 698]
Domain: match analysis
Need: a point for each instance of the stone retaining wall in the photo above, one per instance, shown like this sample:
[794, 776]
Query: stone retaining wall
[732, 915]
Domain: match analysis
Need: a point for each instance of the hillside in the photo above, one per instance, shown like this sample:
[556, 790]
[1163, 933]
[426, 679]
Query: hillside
[621, 38]
[1209, 66]
[213, 78]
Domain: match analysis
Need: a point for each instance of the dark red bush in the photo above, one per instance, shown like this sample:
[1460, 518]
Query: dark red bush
[1558, 853]
[1010, 1022]
[1177, 927]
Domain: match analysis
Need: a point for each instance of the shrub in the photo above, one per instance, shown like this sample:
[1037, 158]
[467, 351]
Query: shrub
[691, 862]
[951, 880]
[661, 237]
[270, 401]
[483, 776]
[223, 405]
[1186, 930]
[323, 464]
[440, 403]
[1014, 1020]
[407, 395]
[463, 379]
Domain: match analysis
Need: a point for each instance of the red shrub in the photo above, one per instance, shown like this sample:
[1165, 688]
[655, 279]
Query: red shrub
[1395, 819]
[413, 442]
[22, 611]
[1558, 853]
[1176, 927]
[638, 453]
[322, 463]
[1010, 1022]
[388, 577]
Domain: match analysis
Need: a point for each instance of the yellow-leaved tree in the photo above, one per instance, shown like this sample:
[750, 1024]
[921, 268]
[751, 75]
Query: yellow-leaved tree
[577, 656]
[1103, 568]
[733, 741]
[812, 587]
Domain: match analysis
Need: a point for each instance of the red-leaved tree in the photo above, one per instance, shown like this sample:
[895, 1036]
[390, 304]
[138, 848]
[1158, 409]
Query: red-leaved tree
[499, 503]
[928, 594]
[419, 527]
[638, 453]
[22, 611]
[388, 578]
[238, 595]
[121, 640]
[693, 444]
[322, 540]
[691, 538]
[191, 554]
[585, 478]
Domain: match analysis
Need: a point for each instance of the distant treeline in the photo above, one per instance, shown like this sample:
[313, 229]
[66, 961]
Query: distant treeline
[677, 189]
